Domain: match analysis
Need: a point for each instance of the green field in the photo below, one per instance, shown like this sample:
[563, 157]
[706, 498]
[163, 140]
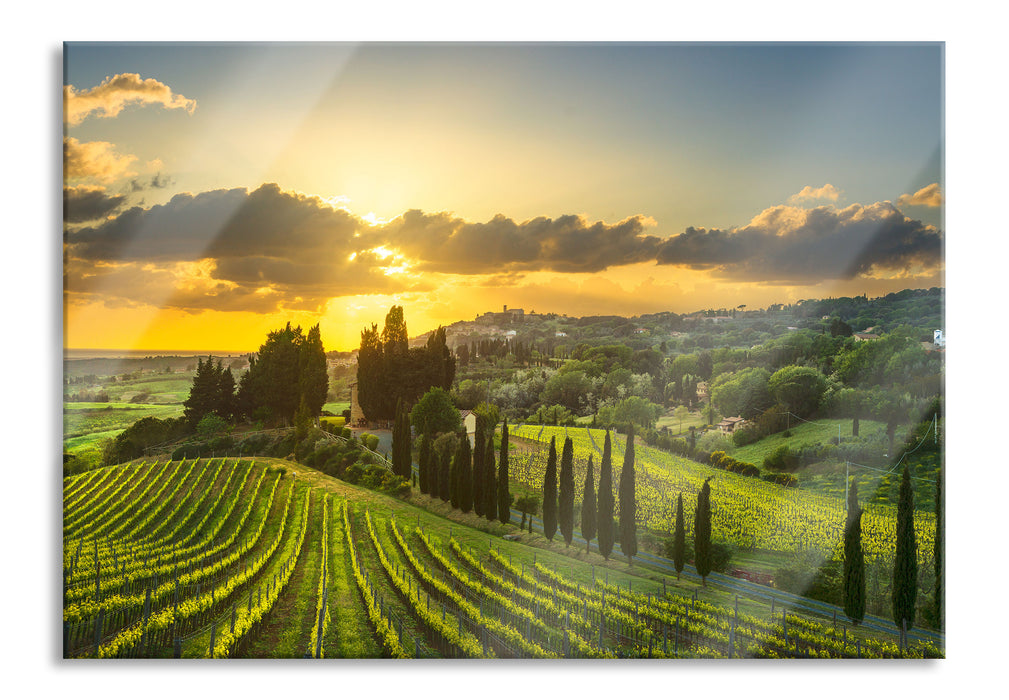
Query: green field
[86, 419]
[823, 431]
[278, 556]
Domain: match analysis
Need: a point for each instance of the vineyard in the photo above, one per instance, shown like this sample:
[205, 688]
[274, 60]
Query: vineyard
[257, 558]
[746, 512]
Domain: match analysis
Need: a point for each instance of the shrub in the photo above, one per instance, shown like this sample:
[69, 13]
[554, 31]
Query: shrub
[782, 460]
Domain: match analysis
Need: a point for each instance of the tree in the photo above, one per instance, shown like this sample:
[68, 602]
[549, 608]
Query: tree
[628, 507]
[490, 479]
[271, 387]
[227, 402]
[938, 551]
[401, 461]
[854, 561]
[680, 413]
[479, 451]
[588, 521]
[905, 561]
[202, 393]
[798, 389]
[445, 476]
[528, 503]
[550, 493]
[313, 379]
[702, 532]
[462, 466]
[679, 538]
[604, 521]
[566, 504]
[371, 377]
[503, 496]
[435, 413]
[427, 484]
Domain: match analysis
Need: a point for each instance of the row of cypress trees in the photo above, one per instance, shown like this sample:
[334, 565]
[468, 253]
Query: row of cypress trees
[597, 511]
[469, 479]
[904, 590]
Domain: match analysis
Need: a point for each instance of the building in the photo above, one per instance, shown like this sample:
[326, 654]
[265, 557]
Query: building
[731, 425]
[865, 336]
[469, 423]
[357, 419]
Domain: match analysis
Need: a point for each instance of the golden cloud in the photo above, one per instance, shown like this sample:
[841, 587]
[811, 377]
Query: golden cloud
[809, 193]
[94, 159]
[114, 94]
[928, 196]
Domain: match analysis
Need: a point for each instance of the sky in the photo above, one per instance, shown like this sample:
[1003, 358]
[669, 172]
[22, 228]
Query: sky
[214, 192]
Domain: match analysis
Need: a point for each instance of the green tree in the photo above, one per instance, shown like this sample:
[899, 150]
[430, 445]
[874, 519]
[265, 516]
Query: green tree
[854, 561]
[395, 339]
[743, 393]
[271, 386]
[798, 389]
[313, 379]
[604, 521]
[435, 413]
[478, 478]
[203, 394]
[566, 504]
[679, 539]
[424, 466]
[503, 494]
[702, 532]
[227, 401]
[905, 561]
[490, 478]
[401, 461]
[463, 466]
[550, 493]
[628, 505]
[445, 476]
[588, 521]
[371, 376]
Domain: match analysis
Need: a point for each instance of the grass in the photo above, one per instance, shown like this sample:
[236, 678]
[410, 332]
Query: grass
[807, 433]
[85, 419]
[336, 407]
[695, 419]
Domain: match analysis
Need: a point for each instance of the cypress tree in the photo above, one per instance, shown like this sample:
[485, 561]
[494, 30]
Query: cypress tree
[504, 499]
[490, 480]
[702, 533]
[464, 474]
[938, 551]
[550, 493]
[445, 476]
[905, 562]
[604, 521]
[628, 507]
[477, 475]
[398, 466]
[588, 522]
[566, 504]
[424, 464]
[854, 561]
[679, 538]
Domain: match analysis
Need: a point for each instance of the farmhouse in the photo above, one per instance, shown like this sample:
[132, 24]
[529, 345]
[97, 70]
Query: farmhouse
[469, 423]
[731, 424]
[865, 336]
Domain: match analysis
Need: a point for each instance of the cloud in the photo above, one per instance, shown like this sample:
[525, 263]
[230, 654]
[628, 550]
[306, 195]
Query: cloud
[793, 245]
[928, 196]
[116, 93]
[88, 202]
[156, 181]
[809, 193]
[262, 248]
[565, 244]
[94, 159]
[274, 249]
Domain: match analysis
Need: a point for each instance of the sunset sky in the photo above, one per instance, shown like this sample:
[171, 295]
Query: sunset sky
[214, 192]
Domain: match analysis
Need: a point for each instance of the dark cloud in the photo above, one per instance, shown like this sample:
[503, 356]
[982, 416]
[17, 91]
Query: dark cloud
[565, 244]
[157, 182]
[269, 249]
[86, 203]
[793, 245]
